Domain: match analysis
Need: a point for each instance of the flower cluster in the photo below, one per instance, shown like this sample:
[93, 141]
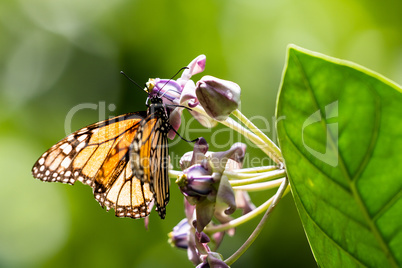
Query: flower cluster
[215, 184]
[209, 100]
[207, 194]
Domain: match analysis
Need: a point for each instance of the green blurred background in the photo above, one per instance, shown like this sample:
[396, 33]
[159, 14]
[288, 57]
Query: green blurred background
[58, 54]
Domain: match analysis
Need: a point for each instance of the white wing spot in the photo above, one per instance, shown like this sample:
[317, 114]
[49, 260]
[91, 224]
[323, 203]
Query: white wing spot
[42, 168]
[82, 137]
[41, 161]
[82, 131]
[64, 145]
[80, 146]
[68, 173]
[66, 162]
[66, 148]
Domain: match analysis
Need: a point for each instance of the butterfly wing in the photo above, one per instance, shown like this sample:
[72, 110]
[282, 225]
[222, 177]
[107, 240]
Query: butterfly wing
[150, 158]
[97, 155]
[117, 187]
[160, 183]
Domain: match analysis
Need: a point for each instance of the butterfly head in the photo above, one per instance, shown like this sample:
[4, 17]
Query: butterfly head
[149, 86]
[167, 89]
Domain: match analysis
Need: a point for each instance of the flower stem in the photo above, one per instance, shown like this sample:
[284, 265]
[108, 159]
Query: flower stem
[254, 169]
[248, 172]
[242, 219]
[259, 186]
[281, 191]
[272, 147]
[229, 122]
[174, 173]
[265, 144]
[232, 176]
[263, 177]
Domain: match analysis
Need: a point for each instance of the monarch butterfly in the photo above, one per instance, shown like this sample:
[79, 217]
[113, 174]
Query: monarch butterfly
[124, 159]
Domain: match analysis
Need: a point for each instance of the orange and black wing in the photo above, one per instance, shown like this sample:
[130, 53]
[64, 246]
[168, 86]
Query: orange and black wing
[150, 158]
[98, 155]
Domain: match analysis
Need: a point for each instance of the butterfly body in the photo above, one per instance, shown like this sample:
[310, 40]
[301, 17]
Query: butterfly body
[124, 159]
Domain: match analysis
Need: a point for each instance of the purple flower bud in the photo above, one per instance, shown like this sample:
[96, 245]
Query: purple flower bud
[218, 97]
[179, 236]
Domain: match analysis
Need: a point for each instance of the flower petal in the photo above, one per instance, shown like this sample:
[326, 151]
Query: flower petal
[185, 160]
[175, 121]
[192, 252]
[189, 210]
[204, 211]
[179, 236]
[219, 160]
[188, 95]
[243, 202]
[196, 156]
[226, 195]
[204, 120]
[215, 260]
[199, 151]
[196, 66]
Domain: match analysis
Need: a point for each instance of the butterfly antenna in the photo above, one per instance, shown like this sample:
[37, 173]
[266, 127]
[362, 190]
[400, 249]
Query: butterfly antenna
[135, 83]
[131, 80]
[180, 70]
[195, 140]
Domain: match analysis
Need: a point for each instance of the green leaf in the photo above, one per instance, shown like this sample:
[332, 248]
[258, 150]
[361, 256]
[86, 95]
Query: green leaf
[340, 131]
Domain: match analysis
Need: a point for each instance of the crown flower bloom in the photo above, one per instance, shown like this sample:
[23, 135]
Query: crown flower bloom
[202, 182]
[196, 181]
[218, 97]
[179, 236]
